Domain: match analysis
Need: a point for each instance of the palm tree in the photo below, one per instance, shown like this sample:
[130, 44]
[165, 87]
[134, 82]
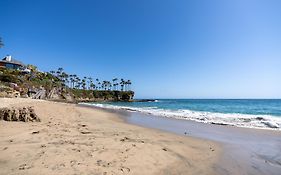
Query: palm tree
[1, 43]
[109, 85]
[71, 80]
[52, 72]
[125, 85]
[117, 84]
[106, 85]
[59, 74]
[122, 83]
[59, 71]
[74, 80]
[92, 86]
[113, 82]
[78, 83]
[90, 81]
[84, 82]
[103, 86]
[98, 83]
[129, 84]
[64, 78]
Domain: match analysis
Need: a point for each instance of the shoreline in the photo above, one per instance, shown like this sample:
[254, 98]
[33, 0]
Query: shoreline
[245, 150]
[77, 140]
[241, 120]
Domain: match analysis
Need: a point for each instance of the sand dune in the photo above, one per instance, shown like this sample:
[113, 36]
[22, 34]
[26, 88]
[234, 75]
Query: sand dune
[78, 140]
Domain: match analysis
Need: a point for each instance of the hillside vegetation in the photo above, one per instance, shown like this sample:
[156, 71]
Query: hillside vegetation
[58, 85]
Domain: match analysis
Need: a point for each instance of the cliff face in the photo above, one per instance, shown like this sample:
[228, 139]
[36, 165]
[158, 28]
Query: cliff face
[68, 95]
[79, 95]
[94, 95]
[40, 85]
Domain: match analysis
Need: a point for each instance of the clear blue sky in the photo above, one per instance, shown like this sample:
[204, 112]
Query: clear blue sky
[169, 49]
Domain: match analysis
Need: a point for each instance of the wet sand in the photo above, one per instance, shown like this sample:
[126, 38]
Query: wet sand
[246, 151]
[78, 140]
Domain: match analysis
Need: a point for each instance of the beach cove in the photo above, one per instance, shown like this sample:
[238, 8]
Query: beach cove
[140, 87]
[78, 140]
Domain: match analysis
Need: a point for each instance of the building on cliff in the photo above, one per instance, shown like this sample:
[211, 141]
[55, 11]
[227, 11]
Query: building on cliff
[10, 63]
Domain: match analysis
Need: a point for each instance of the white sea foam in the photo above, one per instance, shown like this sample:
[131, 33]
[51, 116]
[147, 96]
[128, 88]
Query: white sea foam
[235, 119]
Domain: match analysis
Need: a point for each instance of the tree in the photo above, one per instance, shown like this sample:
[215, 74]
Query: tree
[59, 72]
[114, 84]
[90, 82]
[84, 83]
[77, 81]
[117, 84]
[103, 85]
[122, 83]
[92, 86]
[64, 78]
[129, 84]
[1, 43]
[106, 85]
[109, 85]
[53, 72]
[71, 79]
[98, 84]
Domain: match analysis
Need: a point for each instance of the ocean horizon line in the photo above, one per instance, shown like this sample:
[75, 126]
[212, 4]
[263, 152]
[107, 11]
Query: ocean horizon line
[209, 98]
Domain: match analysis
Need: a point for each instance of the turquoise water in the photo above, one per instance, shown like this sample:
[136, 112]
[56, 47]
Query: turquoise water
[255, 107]
[245, 113]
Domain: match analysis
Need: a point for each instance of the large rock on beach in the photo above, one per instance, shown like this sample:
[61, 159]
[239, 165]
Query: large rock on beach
[25, 114]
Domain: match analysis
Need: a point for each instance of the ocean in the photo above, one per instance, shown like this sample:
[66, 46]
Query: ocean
[249, 113]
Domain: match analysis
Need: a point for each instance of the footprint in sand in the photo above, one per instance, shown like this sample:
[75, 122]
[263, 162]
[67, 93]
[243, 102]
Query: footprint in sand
[85, 132]
[82, 125]
[103, 163]
[125, 169]
[73, 162]
[24, 166]
[35, 132]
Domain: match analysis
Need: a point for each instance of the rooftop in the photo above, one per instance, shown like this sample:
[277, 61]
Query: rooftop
[10, 60]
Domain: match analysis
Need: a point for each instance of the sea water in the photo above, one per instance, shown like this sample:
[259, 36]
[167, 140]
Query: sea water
[251, 113]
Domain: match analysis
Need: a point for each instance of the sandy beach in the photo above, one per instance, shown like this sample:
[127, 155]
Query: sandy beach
[245, 150]
[77, 140]
[140, 87]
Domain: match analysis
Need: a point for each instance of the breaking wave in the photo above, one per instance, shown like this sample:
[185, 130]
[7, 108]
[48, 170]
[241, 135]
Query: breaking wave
[233, 119]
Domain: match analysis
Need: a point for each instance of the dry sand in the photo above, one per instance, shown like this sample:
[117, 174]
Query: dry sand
[78, 140]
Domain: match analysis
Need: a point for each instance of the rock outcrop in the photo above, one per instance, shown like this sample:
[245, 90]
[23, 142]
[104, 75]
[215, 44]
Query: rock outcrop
[8, 92]
[25, 114]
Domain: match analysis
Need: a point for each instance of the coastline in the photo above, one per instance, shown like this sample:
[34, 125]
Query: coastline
[245, 150]
[76, 140]
[256, 120]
